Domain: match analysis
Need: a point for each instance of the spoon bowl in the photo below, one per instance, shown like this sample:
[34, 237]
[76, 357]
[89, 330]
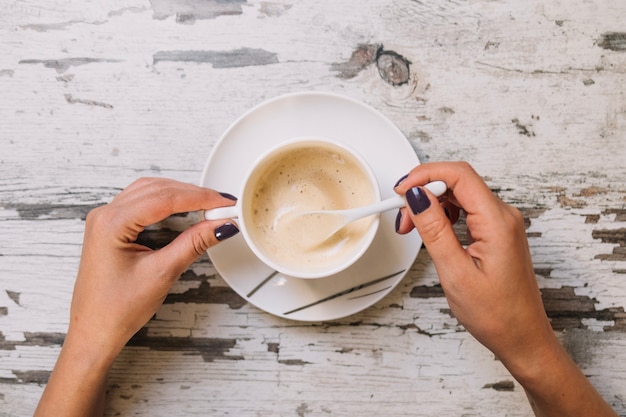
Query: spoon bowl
[321, 225]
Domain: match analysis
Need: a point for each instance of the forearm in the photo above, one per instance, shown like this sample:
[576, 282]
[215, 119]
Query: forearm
[557, 388]
[77, 384]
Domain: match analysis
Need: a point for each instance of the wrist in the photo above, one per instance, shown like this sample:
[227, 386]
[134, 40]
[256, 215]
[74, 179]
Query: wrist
[537, 368]
[94, 353]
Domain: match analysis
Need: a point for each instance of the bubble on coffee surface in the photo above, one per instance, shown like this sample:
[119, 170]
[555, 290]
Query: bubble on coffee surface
[311, 178]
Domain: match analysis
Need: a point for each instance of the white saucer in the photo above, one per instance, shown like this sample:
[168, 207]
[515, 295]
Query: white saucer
[360, 127]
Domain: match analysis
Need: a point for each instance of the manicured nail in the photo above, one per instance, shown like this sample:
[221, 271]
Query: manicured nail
[398, 220]
[417, 199]
[401, 180]
[229, 196]
[225, 231]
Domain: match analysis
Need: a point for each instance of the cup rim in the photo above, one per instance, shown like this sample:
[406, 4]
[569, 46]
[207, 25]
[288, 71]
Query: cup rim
[366, 239]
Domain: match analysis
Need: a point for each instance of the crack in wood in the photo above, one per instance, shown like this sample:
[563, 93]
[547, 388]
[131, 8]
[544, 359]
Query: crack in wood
[73, 100]
[62, 65]
[242, 57]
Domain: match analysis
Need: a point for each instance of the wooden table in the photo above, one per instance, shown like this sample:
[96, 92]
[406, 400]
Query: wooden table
[96, 94]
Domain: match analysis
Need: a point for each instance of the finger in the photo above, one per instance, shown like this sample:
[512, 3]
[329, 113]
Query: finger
[404, 224]
[435, 230]
[452, 210]
[466, 188]
[151, 200]
[192, 243]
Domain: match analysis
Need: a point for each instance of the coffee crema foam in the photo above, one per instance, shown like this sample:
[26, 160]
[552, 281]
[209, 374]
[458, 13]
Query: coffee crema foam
[314, 177]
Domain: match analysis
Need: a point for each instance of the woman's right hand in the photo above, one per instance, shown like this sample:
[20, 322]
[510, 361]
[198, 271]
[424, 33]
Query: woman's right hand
[490, 285]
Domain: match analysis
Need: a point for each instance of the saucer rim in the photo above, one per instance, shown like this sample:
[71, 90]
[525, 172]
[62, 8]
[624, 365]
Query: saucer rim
[413, 241]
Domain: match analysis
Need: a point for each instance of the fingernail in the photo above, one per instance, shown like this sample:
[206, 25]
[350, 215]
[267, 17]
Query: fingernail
[398, 220]
[225, 231]
[229, 196]
[417, 199]
[401, 180]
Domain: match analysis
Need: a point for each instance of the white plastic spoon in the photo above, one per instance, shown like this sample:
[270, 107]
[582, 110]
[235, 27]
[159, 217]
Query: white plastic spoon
[335, 220]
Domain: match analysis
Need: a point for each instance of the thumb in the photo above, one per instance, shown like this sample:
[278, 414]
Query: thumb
[192, 243]
[434, 228]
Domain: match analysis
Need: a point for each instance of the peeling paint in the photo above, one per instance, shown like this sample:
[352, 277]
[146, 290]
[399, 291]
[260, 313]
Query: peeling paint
[293, 362]
[592, 191]
[501, 386]
[613, 236]
[614, 41]
[269, 9]
[15, 296]
[303, 409]
[124, 10]
[565, 201]
[51, 211]
[620, 214]
[522, 129]
[544, 272]
[33, 339]
[62, 65]
[426, 291]
[362, 57]
[32, 377]
[565, 309]
[244, 57]
[210, 349]
[188, 11]
[392, 67]
[207, 294]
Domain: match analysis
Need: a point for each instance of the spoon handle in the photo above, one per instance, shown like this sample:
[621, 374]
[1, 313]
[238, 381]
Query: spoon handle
[397, 201]
[438, 188]
[220, 213]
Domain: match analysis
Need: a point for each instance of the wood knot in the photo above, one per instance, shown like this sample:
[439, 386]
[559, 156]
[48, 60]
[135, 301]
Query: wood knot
[393, 67]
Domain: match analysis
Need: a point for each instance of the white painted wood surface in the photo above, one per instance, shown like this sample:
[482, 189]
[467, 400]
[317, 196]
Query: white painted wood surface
[96, 94]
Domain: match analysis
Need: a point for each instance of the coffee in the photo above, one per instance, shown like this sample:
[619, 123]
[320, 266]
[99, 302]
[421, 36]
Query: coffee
[308, 176]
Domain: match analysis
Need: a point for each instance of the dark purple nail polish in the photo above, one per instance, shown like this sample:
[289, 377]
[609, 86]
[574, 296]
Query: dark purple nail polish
[398, 220]
[417, 199]
[229, 196]
[401, 180]
[225, 231]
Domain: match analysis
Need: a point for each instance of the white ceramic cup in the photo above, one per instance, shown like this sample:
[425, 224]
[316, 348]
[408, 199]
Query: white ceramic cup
[312, 191]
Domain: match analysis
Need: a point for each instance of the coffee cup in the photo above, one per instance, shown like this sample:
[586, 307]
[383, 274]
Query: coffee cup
[299, 175]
